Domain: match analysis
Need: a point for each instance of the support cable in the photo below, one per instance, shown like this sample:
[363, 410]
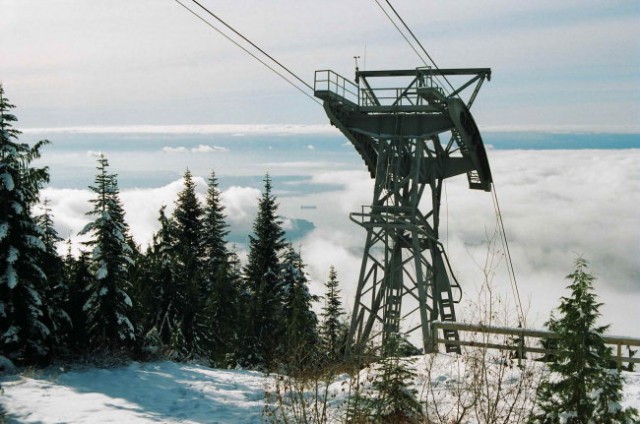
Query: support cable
[418, 41]
[252, 44]
[271, 68]
[505, 245]
[400, 31]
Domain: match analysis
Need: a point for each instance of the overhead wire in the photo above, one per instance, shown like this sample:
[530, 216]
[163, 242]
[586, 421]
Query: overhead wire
[237, 44]
[505, 245]
[420, 56]
[400, 31]
[419, 43]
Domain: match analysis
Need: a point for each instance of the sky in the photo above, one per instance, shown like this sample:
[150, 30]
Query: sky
[569, 64]
[159, 91]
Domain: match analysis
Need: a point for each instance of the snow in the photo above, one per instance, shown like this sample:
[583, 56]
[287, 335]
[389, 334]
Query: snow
[11, 335]
[11, 277]
[7, 181]
[6, 366]
[137, 393]
[17, 207]
[101, 274]
[35, 242]
[13, 254]
[130, 330]
[126, 299]
[4, 229]
[177, 392]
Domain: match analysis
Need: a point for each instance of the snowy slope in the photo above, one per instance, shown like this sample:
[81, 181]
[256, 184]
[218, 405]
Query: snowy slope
[138, 393]
[170, 392]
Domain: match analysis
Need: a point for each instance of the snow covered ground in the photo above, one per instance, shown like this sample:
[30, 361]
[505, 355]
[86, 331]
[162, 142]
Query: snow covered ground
[138, 393]
[172, 392]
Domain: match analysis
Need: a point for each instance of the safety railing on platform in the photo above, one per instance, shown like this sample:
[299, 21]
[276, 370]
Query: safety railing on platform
[523, 340]
[330, 82]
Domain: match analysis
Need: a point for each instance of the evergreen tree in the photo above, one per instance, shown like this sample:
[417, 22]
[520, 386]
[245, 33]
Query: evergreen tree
[261, 283]
[301, 339]
[158, 285]
[397, 402]
[581, 388]
[191, 292]
[223, 311]
[24, 335]
[109, 306]
[79, 280]
[333, 328]
[56, 291]
[222, 277]
[214, 233]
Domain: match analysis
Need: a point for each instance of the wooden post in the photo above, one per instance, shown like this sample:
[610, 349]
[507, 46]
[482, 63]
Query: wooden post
[520, 350]
[619, 356]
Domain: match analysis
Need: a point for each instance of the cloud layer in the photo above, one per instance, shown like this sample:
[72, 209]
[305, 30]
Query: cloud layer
[556, 205]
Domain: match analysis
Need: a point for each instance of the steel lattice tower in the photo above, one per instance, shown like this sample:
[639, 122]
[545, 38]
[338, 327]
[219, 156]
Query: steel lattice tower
[411, 136]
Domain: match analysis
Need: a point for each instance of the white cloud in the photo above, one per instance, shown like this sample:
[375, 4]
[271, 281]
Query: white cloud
[237, 130]
[175, 149]
[555, 205]
[201, 148]
[545, 54]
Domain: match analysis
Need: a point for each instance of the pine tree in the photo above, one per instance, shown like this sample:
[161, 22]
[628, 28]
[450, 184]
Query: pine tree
[223, 311]
[214, 232]
[191, 291]
[109, 306]
[261, 283]
[79, 279]
[333, 327]
[24, 335]
[300, 338]
[581, 388]
[222, 277]
[56, 291]
[397, 403]
[158, 285]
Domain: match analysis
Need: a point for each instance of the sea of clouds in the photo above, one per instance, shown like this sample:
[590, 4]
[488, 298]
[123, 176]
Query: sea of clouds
[556, 205]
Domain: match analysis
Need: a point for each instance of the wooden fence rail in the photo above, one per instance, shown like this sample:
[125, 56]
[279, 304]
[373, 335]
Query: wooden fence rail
[524, 340]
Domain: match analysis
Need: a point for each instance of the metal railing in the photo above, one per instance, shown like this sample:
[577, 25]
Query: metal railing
[524, 340]
[329, 81]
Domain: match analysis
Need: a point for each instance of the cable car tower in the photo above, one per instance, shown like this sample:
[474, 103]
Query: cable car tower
[412, 135]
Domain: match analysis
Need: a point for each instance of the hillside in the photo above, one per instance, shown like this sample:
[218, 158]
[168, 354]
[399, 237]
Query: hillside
[190, 393]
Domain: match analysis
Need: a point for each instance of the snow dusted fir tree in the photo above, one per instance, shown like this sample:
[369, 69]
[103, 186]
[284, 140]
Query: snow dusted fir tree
[214, 232]
[222, 278]
[157, 286]
[263, 324]
[79, 278]
[332, 330]
[397, 402]
[24, 335]
[57, 290]
[109, 307]
[191, 292]
[582, 387]
[300, 341]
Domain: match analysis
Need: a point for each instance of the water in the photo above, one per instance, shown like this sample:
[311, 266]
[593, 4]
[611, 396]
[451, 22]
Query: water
[154, 160]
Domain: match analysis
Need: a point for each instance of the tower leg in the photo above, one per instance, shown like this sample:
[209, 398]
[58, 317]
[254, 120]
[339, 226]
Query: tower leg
[398, 236]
